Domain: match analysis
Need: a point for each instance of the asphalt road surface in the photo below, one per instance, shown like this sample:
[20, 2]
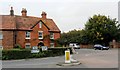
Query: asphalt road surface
[89, 58]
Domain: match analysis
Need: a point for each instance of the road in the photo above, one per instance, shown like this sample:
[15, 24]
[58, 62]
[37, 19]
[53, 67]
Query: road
[89, 58]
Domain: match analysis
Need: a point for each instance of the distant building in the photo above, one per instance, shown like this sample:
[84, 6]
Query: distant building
[28, 31]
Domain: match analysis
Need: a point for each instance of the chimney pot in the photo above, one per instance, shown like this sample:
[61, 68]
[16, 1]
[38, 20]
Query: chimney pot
[12, 11]
[44, 14]
[24, 12]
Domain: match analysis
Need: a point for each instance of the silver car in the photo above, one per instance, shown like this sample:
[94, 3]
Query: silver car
[74, 45]
[100, 47]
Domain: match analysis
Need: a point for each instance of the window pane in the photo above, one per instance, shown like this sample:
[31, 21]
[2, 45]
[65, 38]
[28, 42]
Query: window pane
[1, 36]
[51, 35]
[51, 44]
[40, 35]
[40, 24]
[27, 46]
[27, 34]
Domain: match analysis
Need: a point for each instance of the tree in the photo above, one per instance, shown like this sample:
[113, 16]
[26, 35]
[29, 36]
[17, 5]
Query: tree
[63, 39]
[101, 29]
[71, 36]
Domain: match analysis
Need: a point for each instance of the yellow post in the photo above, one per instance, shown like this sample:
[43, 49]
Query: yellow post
[67, 56]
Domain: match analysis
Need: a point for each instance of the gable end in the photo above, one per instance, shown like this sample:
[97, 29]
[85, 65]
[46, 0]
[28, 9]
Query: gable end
[38, 22]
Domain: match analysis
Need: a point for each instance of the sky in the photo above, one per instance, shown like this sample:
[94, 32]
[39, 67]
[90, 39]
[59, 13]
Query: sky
[67, 14]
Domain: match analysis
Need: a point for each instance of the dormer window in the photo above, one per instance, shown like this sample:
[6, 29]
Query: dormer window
[27, 34]
[51, 35]
[40, 24]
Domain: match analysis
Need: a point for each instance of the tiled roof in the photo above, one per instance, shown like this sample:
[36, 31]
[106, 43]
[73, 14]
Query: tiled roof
[8, 22]
[51, 25]
[25, 23]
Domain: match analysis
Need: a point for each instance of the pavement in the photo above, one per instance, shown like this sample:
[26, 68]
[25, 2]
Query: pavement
[88, 58]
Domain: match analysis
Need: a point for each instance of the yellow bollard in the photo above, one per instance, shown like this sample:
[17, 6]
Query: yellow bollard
[67, 56]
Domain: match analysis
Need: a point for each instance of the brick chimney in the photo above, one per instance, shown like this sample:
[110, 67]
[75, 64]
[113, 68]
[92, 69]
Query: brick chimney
[12, 11]
[44, 14]
[24, 12]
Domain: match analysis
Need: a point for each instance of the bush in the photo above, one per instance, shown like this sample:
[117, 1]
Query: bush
[26, 53]
[18, 46]
[15, 54]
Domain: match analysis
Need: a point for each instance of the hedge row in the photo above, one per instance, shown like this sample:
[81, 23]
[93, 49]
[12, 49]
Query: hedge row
[26, 53]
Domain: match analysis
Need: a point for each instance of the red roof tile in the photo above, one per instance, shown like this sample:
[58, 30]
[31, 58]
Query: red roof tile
[8, 22]
[26, 23]
[51, 24]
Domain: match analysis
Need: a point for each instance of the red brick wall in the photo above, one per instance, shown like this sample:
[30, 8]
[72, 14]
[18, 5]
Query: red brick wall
[21, 38]
[118, 45]
[34, 37]
[0, 42]
[114, 44]
[56, 36]
[7, 41]
[86, 46]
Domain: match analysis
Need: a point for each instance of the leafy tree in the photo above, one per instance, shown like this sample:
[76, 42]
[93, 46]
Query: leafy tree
[71, 36]
[99, 29]
[102, 29]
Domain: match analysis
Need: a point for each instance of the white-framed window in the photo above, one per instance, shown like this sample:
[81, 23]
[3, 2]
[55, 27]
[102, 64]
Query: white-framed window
[27, 45]
[40, 24]
[40, 34]
[51, 35]
[52, 45]
[1, 35]
[27, 33]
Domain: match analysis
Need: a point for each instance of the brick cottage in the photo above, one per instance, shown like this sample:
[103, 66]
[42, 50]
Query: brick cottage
[28, 31]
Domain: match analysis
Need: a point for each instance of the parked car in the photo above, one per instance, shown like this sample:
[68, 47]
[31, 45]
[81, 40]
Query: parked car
[100, 47]
[74, 45]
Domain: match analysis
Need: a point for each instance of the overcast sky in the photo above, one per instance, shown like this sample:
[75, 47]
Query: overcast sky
[67, 14]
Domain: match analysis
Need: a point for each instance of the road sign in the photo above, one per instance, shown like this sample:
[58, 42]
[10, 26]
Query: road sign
[44, 48]
[35, 49]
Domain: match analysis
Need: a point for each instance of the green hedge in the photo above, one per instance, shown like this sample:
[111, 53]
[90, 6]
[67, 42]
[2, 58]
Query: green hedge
[26, 53]
[15, 54]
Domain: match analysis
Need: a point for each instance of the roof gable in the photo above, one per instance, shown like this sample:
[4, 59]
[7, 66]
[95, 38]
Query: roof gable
[38, 23]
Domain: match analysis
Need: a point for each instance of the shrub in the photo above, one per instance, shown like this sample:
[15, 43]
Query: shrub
[26, 53]
[18, 46]
[15, 54]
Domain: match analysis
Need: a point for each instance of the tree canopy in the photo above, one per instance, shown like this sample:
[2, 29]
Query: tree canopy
[99, 29]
